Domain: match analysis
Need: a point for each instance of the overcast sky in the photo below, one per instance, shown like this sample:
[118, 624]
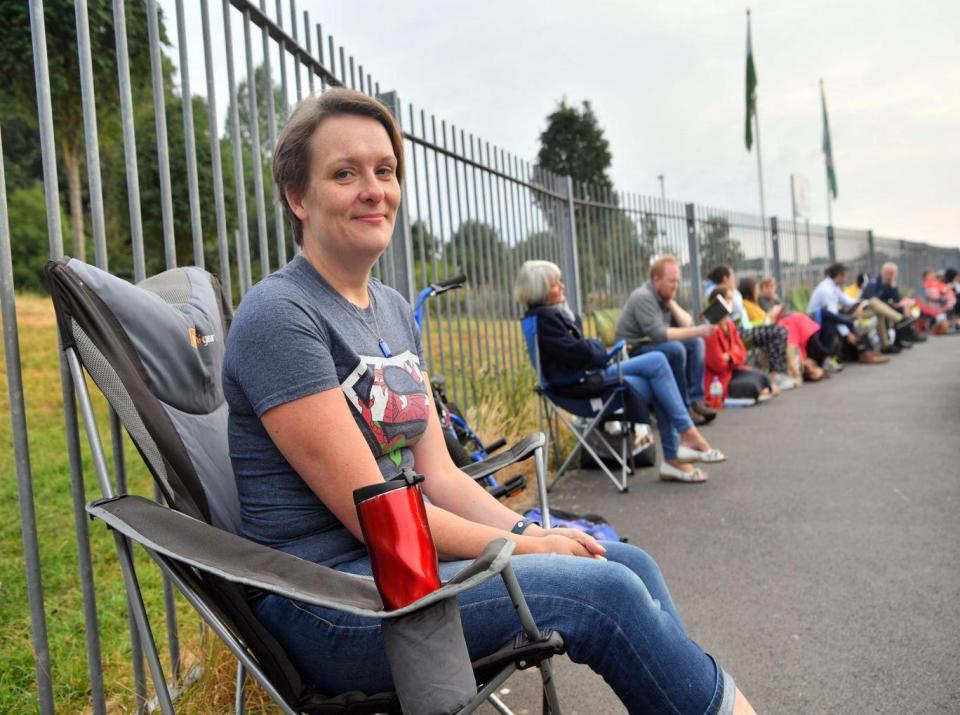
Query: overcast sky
[666, 80]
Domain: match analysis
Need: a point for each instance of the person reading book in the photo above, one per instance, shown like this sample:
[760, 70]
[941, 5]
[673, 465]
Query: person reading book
[726, 358]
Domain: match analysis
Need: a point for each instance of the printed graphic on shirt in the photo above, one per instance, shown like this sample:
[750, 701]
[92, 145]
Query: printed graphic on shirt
[391, 401]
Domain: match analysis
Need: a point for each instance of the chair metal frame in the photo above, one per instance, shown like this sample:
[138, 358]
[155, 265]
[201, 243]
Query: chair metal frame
[606, 412]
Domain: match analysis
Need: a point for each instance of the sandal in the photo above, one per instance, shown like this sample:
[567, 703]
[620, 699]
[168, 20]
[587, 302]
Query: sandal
[669, 473]
[688, 455]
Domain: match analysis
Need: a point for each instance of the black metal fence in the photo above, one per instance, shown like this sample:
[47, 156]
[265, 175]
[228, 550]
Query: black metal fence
[469, 207]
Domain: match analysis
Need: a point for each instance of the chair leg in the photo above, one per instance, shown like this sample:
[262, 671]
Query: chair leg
[135, 602]
[582, 444]
[551, 703]
[237, 648]
[541, 470]
[239, 695]
[498, 705]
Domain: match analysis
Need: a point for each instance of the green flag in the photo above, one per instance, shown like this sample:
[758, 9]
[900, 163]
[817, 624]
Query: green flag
[827, 147]
[751, 87]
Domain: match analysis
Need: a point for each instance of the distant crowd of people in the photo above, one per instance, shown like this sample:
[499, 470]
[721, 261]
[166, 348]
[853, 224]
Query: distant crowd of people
[750, 351]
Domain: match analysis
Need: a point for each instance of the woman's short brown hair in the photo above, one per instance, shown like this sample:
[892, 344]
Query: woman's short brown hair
[292, 157]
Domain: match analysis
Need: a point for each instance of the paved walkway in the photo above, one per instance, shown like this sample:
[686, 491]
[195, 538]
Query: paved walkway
[821, 563]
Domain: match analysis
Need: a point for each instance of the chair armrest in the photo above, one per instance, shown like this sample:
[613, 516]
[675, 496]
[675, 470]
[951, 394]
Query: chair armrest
[518, 452]
[182, 538]
[616, 350]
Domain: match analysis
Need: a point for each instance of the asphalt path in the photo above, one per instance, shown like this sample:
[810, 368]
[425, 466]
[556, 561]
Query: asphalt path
[819, 564]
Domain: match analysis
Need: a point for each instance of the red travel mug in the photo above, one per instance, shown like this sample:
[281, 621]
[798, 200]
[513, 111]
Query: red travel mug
[403, 557]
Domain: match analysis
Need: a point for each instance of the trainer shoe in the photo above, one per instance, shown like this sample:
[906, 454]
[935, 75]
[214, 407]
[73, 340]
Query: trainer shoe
[831, 365]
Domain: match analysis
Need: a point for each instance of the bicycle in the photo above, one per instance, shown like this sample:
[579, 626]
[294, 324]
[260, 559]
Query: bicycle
[463, 444]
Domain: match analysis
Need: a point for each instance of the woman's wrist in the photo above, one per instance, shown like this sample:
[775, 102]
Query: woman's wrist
[522, 525]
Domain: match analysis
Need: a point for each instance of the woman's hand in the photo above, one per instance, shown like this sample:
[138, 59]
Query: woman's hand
[583, 538]
[569, 542]
[775, 313]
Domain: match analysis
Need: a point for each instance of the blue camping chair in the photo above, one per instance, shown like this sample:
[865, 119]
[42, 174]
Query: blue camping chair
[596, 400]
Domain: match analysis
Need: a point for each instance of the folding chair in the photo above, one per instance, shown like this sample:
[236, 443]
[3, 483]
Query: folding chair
[594, 399]
[155, 350]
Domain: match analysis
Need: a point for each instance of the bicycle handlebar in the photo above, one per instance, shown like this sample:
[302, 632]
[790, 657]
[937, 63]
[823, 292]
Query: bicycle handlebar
[455, 282]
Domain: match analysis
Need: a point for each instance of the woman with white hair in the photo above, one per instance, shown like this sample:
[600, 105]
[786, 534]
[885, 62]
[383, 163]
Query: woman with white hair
[567, 358]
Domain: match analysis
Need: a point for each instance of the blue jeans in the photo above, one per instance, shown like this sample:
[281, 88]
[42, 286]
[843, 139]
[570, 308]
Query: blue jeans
[687, 362]
[650, 377]
[616, 616]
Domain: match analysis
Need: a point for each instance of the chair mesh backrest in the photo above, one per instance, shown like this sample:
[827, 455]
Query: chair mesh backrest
[156, 352]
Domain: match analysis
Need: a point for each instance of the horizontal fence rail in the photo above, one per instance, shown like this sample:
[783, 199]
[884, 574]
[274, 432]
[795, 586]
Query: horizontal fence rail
[178, 172]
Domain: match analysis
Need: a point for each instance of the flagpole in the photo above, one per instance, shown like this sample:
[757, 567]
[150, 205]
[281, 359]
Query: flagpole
[826, 166]
[756, 125]
[763, 209]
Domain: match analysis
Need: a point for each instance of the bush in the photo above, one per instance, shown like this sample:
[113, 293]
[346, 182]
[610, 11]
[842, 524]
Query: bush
[29, 245]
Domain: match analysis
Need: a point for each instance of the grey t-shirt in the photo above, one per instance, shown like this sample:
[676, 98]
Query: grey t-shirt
[645, 315]
[293, 336]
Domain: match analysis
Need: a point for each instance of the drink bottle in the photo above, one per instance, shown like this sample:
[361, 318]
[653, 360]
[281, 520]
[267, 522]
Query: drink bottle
[715, 397]
[403, 557]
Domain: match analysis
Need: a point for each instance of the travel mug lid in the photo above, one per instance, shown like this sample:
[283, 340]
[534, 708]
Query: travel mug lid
[406, 478]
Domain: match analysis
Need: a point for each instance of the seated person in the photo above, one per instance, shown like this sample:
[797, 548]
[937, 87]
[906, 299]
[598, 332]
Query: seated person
[727, 360]
[856, 288]
[327, 391]
[567, 357]
[768, 298]
[771, 339]
[938, 301]
[952, 282]
[883, 289]
[653, 321]
[801, 329]
[837, 330]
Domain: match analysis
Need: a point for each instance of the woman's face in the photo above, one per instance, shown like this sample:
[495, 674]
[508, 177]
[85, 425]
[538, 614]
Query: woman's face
[556, 293]
[352, 196]
[769, 290]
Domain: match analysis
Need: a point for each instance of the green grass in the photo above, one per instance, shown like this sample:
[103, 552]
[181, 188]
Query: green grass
[503, 406]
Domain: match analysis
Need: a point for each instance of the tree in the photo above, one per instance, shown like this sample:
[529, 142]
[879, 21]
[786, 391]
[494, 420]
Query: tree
[243, 109]
[717, 245]
[28, 219]
[425, 245]
[573, 145]
[61, 36]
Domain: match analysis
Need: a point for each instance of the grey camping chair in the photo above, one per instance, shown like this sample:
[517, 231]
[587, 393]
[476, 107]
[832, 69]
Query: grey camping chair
[155, 350]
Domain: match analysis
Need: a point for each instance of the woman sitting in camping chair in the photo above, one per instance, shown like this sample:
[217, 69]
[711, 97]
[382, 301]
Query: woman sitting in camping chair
[567, 357]
[310, 348]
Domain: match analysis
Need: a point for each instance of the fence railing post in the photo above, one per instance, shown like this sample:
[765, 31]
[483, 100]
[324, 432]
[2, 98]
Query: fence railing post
[693, 247]
[21, 456]
[401, 243]
[775, 238]
[871, 253]
[568, 243]
[831, 244]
